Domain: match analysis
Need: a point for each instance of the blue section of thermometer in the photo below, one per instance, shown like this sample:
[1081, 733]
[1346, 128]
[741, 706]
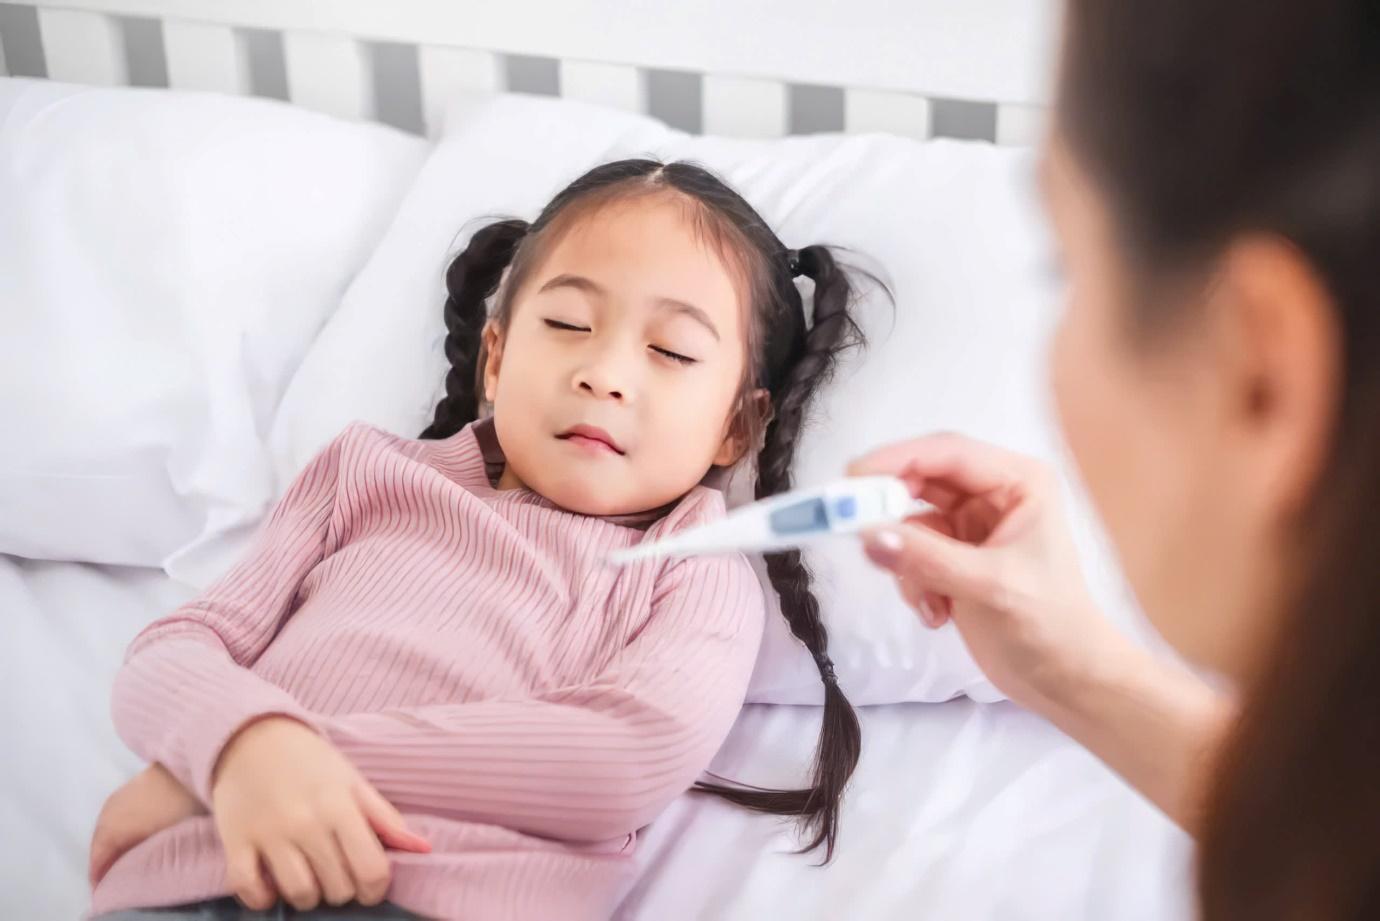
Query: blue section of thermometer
[790, 520]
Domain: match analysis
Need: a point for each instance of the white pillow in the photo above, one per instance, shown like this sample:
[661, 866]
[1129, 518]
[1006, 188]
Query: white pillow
[951, 224]
[165, 260]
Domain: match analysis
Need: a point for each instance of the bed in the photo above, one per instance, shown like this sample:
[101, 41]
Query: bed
[960, 810]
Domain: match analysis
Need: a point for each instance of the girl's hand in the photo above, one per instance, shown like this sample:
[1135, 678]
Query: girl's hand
[997, 557]
[148, 803]
[284, 796]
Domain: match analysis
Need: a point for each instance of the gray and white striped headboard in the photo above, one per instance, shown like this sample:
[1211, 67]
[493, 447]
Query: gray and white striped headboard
[964, 68]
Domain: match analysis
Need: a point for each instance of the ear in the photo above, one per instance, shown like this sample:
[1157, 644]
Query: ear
[755, 406]
[1284, 357]
[493, 359]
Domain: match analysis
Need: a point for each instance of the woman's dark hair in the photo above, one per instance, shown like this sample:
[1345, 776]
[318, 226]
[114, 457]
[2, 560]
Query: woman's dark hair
[788, 358]
[1201, 120]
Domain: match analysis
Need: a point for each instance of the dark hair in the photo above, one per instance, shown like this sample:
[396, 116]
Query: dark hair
[788, 358]
[1202, 120]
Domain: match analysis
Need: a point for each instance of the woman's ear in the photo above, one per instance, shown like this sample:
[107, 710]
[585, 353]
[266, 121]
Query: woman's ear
[493, 359]
[1285, 355]
[752, 416]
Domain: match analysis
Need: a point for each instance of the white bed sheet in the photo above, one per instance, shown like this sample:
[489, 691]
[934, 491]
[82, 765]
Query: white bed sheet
[959, 812]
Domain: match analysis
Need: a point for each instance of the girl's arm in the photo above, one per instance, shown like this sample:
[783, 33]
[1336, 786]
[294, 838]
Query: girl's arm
[185, 687]
[590, 762]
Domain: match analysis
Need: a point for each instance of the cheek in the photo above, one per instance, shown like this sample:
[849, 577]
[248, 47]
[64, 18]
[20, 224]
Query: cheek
[521, 397]
[1130, 422]
[526, 367]
[691, 415]
[1113, 422]
[1092, 400]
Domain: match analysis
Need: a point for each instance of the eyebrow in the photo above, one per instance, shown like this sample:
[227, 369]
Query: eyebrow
[589, 286]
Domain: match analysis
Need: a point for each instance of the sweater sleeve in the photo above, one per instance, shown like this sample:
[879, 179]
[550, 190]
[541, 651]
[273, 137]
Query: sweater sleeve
[590, 762]
[185, 688]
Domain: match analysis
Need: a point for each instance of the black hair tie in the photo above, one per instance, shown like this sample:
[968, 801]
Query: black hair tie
[826, 668]
[795, 262]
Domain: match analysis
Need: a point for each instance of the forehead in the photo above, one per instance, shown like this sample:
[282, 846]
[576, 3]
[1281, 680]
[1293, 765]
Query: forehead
[655, 245]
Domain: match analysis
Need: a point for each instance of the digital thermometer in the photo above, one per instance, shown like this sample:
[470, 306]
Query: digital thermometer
[789, 520]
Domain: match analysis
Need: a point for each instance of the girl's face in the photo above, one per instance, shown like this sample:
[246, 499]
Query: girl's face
[617, 378]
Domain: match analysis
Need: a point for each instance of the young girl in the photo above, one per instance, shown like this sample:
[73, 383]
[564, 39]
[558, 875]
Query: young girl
[426, 650]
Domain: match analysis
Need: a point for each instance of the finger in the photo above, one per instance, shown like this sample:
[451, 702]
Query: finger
[365, 859]
[913, 593]
[940, 493]
[245, 878]
[292, 875]
[935, 521]
[963, 463]
[388, 823]
[934, 608]
[328, 865]
[931, 562]
[103, 854]
[105, 851]
[935, 611]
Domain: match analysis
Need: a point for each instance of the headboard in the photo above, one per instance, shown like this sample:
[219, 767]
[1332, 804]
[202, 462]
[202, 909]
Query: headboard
[967, 68]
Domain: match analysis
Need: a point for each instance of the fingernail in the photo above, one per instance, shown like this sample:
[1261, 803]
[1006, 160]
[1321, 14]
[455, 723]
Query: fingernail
[927, 611]
[883, 547]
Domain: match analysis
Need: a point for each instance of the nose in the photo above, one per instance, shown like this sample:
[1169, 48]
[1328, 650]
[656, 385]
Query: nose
[607, 373]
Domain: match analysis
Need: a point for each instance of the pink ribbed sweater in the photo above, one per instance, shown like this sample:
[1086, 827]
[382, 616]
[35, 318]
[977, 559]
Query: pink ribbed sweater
[526, 706]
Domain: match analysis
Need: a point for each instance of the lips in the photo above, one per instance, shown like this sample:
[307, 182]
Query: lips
[592, 436]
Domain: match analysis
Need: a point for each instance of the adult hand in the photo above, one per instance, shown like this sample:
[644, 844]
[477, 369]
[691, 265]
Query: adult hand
[997, 557]
[284, 796]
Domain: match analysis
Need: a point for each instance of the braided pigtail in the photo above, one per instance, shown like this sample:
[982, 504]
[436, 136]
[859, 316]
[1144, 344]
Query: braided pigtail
[471, 280]
[840, 740]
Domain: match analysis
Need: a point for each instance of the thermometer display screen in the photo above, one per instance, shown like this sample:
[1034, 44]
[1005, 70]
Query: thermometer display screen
[801, 518]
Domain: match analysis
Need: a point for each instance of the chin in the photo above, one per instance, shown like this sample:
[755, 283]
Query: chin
[584, 504]
[584, 496]
[602, 497]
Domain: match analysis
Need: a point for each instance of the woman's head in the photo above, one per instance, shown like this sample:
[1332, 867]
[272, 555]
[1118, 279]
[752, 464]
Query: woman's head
[645, 328]
[1214, 178]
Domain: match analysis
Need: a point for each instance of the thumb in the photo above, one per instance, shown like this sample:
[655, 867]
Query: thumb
[932, 561]
[388, 823]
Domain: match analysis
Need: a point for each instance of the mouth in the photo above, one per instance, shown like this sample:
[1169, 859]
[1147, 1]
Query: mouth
[592, 438]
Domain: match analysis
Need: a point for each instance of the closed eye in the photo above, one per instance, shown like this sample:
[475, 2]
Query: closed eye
[566, 327]
[675, 356]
